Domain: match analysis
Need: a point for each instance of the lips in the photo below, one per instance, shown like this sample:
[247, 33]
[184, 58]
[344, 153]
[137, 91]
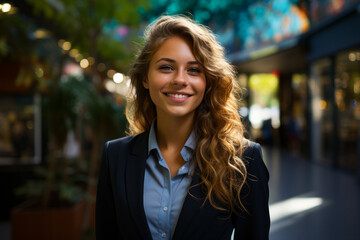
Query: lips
[177, 97]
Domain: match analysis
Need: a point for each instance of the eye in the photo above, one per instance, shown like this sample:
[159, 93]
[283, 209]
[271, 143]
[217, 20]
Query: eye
[166, 68]
[194, 70]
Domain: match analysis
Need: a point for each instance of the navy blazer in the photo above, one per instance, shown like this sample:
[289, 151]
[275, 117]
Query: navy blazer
[120, 210]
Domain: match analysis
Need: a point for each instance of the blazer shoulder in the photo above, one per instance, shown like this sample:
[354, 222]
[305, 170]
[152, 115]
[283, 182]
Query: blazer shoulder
[119, 141]
[128, 142]
[253, 159]
[252, 150]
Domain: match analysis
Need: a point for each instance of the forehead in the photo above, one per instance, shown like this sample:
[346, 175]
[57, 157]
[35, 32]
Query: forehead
[176, 48]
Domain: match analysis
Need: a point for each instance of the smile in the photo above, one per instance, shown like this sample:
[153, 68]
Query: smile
[177, 95]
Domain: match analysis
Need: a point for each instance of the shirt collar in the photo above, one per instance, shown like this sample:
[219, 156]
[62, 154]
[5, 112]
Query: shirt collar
[152, 138]
[189, 144]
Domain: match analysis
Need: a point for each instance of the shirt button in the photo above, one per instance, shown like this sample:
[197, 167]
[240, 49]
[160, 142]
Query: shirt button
[165, 209]
[163, 235]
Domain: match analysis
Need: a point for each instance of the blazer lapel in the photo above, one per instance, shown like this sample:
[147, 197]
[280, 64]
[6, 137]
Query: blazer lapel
[191, 206]
[135, 171]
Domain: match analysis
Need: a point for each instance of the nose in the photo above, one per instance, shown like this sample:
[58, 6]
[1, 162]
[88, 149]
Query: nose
[180, 78]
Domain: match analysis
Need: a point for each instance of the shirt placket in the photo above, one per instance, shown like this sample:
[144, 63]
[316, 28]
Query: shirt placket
[165, 207]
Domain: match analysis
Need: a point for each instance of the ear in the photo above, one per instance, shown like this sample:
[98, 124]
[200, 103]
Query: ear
[145, 83]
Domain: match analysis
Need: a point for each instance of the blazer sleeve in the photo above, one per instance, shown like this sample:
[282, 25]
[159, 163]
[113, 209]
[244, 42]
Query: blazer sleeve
[255, 223]
[105, 218]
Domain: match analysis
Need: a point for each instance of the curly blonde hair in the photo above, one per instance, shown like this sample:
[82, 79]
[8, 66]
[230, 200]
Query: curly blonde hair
[218, 128]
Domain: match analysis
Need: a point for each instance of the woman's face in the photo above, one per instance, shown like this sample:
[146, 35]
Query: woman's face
[175, 79]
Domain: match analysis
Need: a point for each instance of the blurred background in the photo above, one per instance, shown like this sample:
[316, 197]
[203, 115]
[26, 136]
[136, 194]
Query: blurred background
[63, 87]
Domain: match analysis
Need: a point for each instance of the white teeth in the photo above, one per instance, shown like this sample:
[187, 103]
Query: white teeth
[176, 95]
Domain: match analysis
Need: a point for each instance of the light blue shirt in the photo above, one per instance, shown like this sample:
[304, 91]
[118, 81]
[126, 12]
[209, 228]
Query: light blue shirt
[164, 196]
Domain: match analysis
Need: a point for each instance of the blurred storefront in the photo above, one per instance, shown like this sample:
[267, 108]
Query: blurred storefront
[334, 77]
[20, 120]
[318, 93]
[273, 48]
[20, 134]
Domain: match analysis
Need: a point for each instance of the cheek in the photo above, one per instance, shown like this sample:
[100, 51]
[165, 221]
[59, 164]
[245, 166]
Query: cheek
[154, 90]
[201, 90]
[156, 80]
[201, 86]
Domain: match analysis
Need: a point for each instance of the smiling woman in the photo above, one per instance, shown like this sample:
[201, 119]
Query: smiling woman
[186, 171]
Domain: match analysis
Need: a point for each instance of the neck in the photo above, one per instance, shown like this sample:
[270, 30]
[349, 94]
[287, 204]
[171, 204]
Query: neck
[173, 132]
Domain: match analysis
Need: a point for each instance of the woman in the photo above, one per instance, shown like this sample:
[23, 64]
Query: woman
[186, 171]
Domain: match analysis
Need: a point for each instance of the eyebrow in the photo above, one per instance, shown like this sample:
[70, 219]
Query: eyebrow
[173, 61]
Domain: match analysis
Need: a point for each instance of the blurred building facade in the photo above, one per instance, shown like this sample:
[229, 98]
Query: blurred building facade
[317, 91]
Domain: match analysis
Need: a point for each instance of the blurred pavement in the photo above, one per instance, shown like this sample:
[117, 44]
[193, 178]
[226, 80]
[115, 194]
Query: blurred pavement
[309, 201]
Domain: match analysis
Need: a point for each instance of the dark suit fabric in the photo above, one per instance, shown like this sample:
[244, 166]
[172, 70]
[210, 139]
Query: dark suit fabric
[119, 205]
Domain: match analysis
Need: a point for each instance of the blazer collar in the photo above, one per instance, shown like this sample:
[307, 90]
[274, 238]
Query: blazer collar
[135, 172]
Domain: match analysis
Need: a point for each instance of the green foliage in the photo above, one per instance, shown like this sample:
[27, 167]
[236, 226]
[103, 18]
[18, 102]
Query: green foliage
[82, 22]
[60, 108]
[120, 55]
[62, 192]
[100, 112]
[71, 191]
[15, 37]
[31, 189]
[72, 99]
